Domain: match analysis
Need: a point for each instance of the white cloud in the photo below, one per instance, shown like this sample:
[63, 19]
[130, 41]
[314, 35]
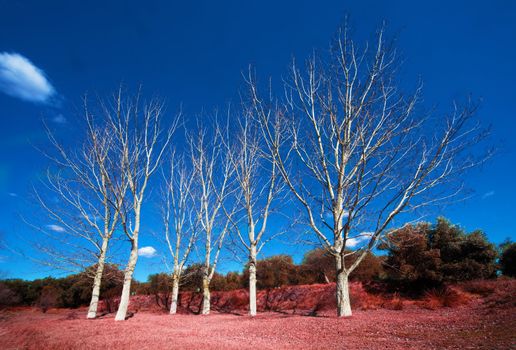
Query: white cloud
[56, 228]
[22, 79]
[488, 194]
[147, 252]
[353, 242]
[329, 215]
[13, 194]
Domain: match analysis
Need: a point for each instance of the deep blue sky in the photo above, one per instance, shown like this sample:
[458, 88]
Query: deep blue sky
[194, 53]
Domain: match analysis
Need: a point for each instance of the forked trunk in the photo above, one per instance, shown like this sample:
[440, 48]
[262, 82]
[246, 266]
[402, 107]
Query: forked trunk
[92, 311]
[205, 295]
[175, 293]
[128, 277]
[343, 301]
[252, 281]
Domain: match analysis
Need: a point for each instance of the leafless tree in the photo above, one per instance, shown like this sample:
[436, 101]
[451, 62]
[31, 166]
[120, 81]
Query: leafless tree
[356, 152]
[257, 186]
[140, 142]
[85, 189]
[179, 219]
[213, 179]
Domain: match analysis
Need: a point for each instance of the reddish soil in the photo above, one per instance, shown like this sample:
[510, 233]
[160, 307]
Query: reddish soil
[485, 322]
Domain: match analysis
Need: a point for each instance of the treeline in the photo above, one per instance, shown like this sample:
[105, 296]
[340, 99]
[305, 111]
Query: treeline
[273, 272]
[68, 292]
[418, 257]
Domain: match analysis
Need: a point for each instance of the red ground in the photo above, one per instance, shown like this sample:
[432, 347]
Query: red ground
[484, 323]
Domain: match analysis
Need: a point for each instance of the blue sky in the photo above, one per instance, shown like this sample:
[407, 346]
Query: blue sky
[193, 53]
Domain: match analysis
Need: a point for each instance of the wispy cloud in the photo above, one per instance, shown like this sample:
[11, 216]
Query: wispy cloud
[12, 194]
[147, 252]
[56, 228]
[20, 78]
[59, 119]
[488, 194]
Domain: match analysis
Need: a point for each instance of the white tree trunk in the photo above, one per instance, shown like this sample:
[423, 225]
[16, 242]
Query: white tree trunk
[175, 293]
[252, 281]
[205, 296]
[92, 311]
[343, 301]
[126, 291]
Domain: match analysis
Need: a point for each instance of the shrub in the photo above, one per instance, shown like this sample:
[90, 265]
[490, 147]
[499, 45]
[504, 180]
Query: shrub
[192, 278]
[363, 300]
[369, 269]
[424, 256]
[111, 299]
[8, 297]
[411, 264]
[273, 272]
[48, 298]
[463, 256]
[395, 303]
[508, 260]
[318, 266]
[443, 297]
[160, 285]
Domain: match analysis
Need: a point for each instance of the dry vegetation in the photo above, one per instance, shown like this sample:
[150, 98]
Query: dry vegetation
[473, 315]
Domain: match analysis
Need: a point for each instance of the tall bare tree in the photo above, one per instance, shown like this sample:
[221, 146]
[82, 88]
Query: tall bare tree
[356, 152]
[87, 189]
[141, 140]
[179, 219]
[213, 179]
[257, 186]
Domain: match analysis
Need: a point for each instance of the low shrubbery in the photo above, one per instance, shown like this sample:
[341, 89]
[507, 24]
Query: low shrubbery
[444, 297]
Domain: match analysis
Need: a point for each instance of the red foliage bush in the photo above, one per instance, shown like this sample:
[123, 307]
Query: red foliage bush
[444, 297]
[363, 300]
[396, 303]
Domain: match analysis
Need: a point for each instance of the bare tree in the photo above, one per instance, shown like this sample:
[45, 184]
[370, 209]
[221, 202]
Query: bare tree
[179, 219]
[213, 179]
[257, 185]
[356, 152]
[87, 189]
[141, 141]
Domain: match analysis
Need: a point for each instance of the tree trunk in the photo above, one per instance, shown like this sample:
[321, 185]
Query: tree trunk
[205, 295]
[343, 301]
[252, 281]
[175, 293]
[128, 277]
[92, 311]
